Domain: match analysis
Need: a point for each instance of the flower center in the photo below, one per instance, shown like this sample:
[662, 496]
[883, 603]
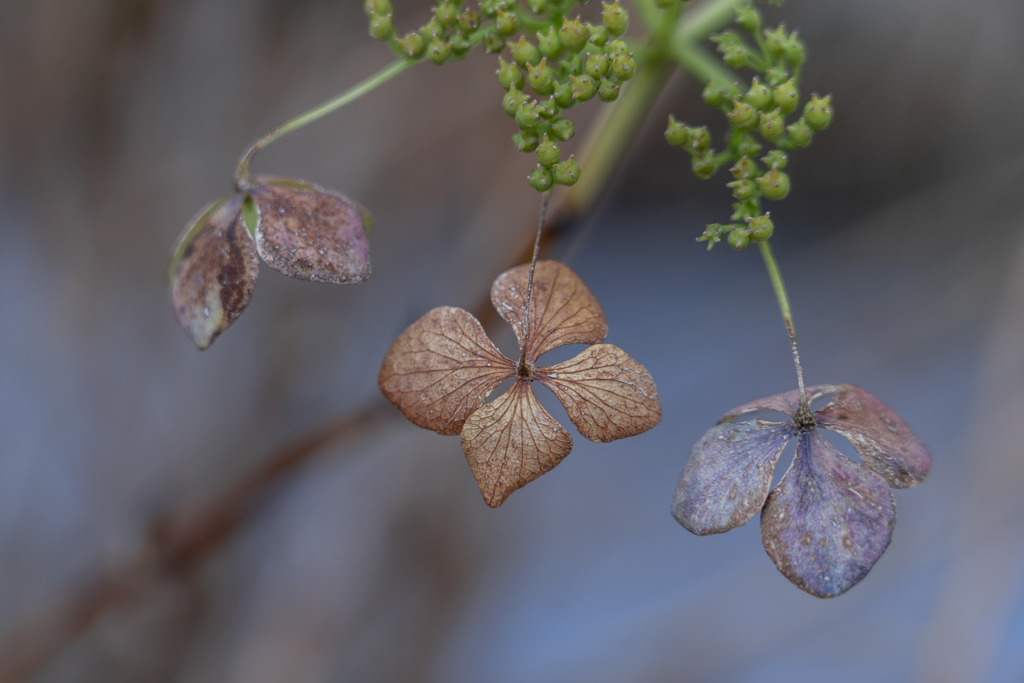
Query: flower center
[524, 370]
[803, 419]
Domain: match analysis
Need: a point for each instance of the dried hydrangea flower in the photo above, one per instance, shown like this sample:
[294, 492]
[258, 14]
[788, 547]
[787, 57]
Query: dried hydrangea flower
[443, 367]
[829, 519]
[299, 228]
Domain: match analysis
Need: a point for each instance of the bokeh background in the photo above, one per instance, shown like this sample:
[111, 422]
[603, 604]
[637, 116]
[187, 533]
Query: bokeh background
[376, 560]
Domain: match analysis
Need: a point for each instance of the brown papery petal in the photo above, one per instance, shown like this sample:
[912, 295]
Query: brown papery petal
[607, 394]
[215, 273]
[562, 309]
[511, 441]
[784, 403]
[441, 369]
[309, 232]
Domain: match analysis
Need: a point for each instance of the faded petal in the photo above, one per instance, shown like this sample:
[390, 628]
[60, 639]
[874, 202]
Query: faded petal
[884, 441]
[441, 369]
[511, 441]
[214, 270]
[727, 478]
[309, 232]
[784, 403]
[828, 521]
[562, 309]
[607, 394]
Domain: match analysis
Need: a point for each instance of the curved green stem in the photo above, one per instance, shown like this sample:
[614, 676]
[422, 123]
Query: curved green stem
[787, 317]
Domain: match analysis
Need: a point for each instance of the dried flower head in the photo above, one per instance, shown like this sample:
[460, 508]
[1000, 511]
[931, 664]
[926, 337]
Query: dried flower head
[829, 519]
[440, 371]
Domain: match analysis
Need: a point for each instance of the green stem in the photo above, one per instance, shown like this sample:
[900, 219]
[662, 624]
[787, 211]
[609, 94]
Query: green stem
[243, 176]
[705, 19]
[787, 317]
[702, 65]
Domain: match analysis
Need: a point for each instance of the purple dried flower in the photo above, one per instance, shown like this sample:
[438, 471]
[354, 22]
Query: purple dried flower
[829, 519]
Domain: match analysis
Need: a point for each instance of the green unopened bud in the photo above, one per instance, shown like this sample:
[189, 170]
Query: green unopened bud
[583, 88]
[749, 18]
[741, 211]
[786, 96]
[524, 52]
[713, 95]
[513, 99]
[615, 18]
[744, 168]
[563, 95]
[818, 112]
[548, 153]
[677, 133]
[412, 45]
[538, 6]
[431, 29]
[774, 184]
[597, 65]
[377, 7]
[743, 189]
[507, 23]
[493, 43]
[703, 164]
[381, 27]
[469, 21]
[776, 75]
[528, 115]
[700, 139]
[608, 91]
[446, 12]
[726, 39]
[794, 51]
[439, 52]
[541, 78]
[616, 47]
[760, 227]
[771, 125]
[526, 142]
[563, 129]
[735, 57]
[566, 172]
[800, 133]
[775, 40]
[598, 34]
[549, 44]
[548, 108]
[743, 116]
[623, 67]
[541, 179]
[748, 147]
[509, 75]
[775, 159]
[460, 46]
[739, 239]
[572, 34]
[759, 96]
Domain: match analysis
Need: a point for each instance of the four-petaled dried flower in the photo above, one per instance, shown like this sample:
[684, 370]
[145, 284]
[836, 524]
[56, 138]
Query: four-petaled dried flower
[829, 519]
[300, 229]
[441, 369]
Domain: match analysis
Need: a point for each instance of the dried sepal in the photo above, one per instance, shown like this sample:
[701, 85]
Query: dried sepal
[511, 441]
[728, 476]
[441, 369]
[787, 402]
[607, 394]
[562, 308]
[884, 441]
[309, 232]
[214, 270]
[828, 521]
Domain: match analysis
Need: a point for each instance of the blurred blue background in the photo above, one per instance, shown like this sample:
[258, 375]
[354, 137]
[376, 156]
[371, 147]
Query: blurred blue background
[377, 560]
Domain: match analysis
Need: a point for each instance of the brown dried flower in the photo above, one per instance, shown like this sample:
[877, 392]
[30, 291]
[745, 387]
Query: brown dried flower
[443, 367]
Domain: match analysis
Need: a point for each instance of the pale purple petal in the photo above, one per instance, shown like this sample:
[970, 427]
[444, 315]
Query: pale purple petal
[784, 403]
[884, 441]
[828, 521]
[727, 477]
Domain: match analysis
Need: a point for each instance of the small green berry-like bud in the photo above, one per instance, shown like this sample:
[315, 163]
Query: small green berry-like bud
[381, 27]
[744, 168]
[776, 75]
[377, 7]
[615, 18]
[513, 99]
[446, 12]
[741, 211]
[774, 184]
[566, 172]
[794, 51]
[548, 108]
[760, 227]
[616, 47]
[623, 67]
[676, 134]
[771, 125]
[563, 129]
[739, 239]
[786, 96]
[583, 88]
[743, 116]
[703, 164]
[749, 18]
[735, 57]
[507, 23]
[598, 34]
[430, 29]
[818, 112]
[550, 46]
[528, 115]
[572, 34]
[700, 139]
[469, 21]
[713, 95]
[538, 6]
[776, 159]
[412, 45]
[748, 147]
[541, 78]
[759, 96]
[800, 133]
[460, 46]
[541, 179]
[524, 52]
[608, 91]
[743, 189]
[509, 75]
[548, 153]
[526, 142]
[597, 65]
[439, 52]
[563, 95]
[493, 43]
[775, 41]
